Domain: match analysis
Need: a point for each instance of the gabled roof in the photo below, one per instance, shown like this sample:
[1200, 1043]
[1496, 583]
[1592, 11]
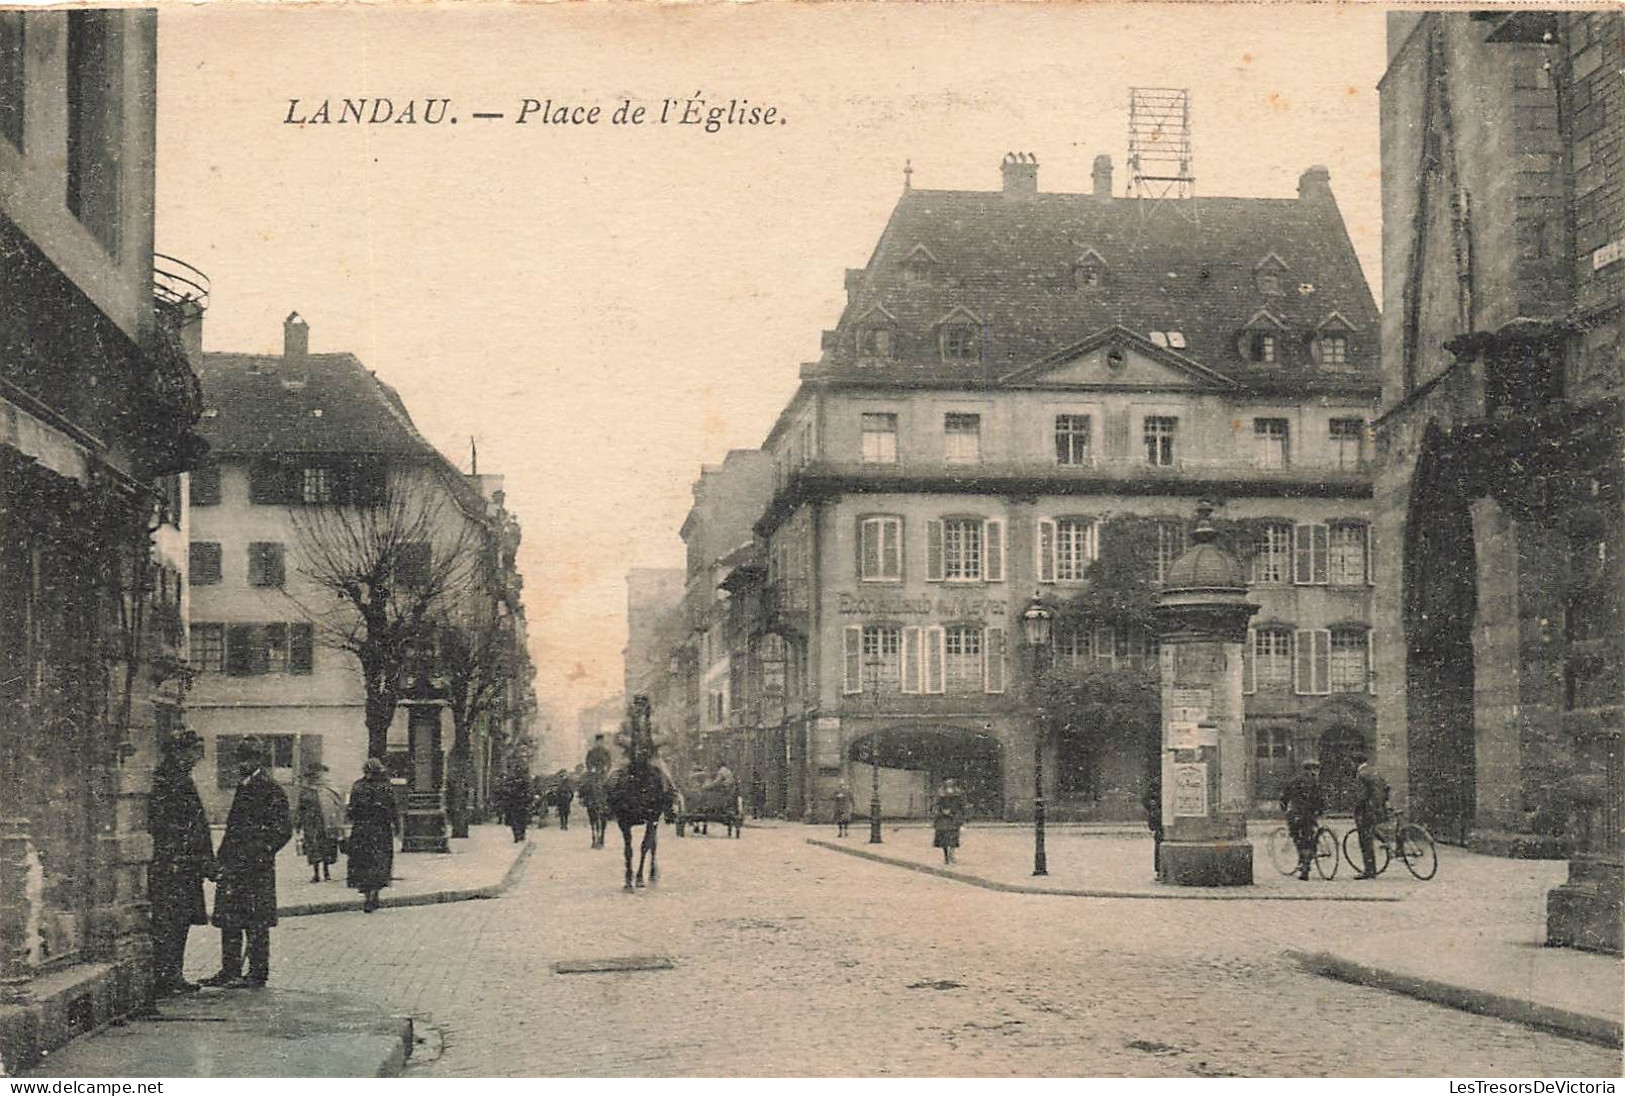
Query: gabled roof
[1197, 374]
[248, 408]
[1190, 269]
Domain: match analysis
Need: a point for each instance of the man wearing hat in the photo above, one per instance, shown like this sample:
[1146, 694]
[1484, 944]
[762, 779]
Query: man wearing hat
[598, 757]
[245, 903]
[1303, 801]
[182, 854]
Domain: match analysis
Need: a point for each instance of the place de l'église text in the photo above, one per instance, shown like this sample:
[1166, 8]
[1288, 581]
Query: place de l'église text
[698, 111]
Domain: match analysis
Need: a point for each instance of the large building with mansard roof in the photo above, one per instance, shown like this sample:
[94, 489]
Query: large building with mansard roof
[1013, 369]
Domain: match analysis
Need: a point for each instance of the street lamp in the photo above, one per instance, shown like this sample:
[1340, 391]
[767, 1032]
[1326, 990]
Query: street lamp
[1035, 628]
[874, 664]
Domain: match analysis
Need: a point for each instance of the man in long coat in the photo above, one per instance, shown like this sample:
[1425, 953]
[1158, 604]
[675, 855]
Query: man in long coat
[182, 854]
[258, 825]
[1303, 801]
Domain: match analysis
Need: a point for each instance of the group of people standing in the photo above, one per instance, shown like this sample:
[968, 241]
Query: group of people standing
[243, 867]
[1304, 801]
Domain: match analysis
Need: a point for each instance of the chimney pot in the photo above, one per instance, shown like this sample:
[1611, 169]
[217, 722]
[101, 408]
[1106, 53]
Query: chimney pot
[1020, 172]
[1103, 176]
[295, 340]
[1315, 184]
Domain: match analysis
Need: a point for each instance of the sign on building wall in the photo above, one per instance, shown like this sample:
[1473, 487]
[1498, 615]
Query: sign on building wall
[1190, 789]
[897, 605]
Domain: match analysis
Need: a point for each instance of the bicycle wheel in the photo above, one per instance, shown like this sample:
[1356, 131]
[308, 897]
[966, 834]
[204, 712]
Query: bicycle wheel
[1283, 853]
[1416, 848]
[1379, 849]
[1326, 853]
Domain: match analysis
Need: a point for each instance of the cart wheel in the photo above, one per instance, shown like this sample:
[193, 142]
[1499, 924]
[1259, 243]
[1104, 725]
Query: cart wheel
[1416, 848]
[1283, 853]
[1326, 853]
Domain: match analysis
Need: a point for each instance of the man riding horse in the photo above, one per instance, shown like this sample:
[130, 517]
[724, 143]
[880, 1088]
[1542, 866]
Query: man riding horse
[641, 791]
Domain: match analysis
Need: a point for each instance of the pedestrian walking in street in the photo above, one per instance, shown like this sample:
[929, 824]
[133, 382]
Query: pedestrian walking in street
[182, 855]
[257, 826]
[1151, 800]
[949, 817]
[1370, 808]
[564, 794]
[320, 816]
[1303, 800]
[843, 809]
[515, 798]
[372, 833]
[758, 796]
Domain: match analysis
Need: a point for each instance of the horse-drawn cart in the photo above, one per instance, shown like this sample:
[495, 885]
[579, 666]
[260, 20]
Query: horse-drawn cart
[716, 802]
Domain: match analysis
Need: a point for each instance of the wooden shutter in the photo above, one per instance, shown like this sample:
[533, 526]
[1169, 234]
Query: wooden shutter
[852, 676]
[1323, 661]
[239, 649]
[911, 667]
[933, 551]
[275, 565]
[993, 660]
[301, 648]
[1117, 438]
[1309, 555]
[868, 549]
[1370, 557]
[1045, 568]
[891, 549]
[935, 658]
[1249, 660]
[1370, 664]
[993, 551]
[1311, 661]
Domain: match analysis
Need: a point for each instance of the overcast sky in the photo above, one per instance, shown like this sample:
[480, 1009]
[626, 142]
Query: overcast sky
[605, 308]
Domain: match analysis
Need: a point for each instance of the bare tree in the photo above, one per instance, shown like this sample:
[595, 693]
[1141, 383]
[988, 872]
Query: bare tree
[474, 663]
[388, 568]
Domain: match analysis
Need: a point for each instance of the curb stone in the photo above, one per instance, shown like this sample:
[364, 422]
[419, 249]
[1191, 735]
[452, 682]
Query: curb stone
[1170, 895]
[514, 873]
[1548, 1018]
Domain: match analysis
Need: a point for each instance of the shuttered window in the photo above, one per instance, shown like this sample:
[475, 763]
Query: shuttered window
[204, 568]
[1309, 553]
[993, 649]
[1312, 661]
[265, 564]
[880, 549]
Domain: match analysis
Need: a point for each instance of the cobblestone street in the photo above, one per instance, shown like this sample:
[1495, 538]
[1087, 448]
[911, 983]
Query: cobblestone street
[791, 960]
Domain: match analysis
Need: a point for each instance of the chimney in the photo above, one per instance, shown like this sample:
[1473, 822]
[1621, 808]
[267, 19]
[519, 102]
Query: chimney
[1102, 175]
[1020, 176]
[1315, 184]
[295, 342]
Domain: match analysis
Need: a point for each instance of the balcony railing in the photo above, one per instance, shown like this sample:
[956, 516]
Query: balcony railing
[177, 284]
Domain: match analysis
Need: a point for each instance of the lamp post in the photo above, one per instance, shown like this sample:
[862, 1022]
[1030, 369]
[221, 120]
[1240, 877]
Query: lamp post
[873, 666]
[1035, 628]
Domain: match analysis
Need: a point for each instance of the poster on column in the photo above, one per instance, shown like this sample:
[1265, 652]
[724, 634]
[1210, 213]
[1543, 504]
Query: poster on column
[1190, 789]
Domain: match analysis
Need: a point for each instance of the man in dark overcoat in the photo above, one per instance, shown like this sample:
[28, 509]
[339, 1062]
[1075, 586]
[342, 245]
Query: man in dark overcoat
[258, 825]
[599, 759]
[1370, 808]
[182, 854]
[1303, 801]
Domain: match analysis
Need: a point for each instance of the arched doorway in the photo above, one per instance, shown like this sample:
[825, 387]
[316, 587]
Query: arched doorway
[1440, 600]
[973, 758]
[1339, 746]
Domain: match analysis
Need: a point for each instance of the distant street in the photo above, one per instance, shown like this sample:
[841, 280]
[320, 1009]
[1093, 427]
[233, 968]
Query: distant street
[791, 960]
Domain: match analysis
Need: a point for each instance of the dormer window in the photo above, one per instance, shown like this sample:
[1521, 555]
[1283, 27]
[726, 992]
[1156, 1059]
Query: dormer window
[1089, 270]
[1334, 352]
[1270, 275]
[961, 342]
[1332, 344]
[1261, 348]
[875, 343]
[1259, 342]
[919, 267]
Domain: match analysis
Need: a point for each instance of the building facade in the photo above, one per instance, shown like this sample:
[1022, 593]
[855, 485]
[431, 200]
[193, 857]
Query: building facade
[1014, 371]
[97, 403]
[1498, 502]
[299, 441]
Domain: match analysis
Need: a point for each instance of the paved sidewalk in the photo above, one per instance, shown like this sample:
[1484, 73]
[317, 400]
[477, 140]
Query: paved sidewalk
[478, 866]
[1472, 938]
[243, 1033]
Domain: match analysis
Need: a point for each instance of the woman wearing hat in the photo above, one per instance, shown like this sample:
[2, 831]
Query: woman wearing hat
[372, 833]
[321, 821]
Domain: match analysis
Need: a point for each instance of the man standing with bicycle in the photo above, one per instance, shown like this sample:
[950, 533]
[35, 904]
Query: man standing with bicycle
[1303, 801]
[1370, 808]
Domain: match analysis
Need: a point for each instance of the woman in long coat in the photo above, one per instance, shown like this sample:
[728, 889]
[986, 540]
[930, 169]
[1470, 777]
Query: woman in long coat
[321, 821]
[950, 815]
[372, 833]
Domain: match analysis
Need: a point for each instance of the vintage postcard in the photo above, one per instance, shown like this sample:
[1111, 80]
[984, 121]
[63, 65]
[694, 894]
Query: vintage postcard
[811, 540]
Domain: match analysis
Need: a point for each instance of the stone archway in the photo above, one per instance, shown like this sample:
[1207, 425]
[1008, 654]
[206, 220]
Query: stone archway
[974, 758]
[1440, 602]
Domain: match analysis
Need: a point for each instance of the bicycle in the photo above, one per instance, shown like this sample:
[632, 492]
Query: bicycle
[1283, 852]
[1410, 841]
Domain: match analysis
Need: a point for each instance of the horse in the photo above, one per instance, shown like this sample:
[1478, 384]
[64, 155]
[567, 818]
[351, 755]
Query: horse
[641, 793]
[595, 801]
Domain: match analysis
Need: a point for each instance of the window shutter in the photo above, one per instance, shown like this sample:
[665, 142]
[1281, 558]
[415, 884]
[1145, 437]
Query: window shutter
[259, 653]
[1323, 662]
[275, 565]
[1302, 556]
[891, 551]
[852, 679]
[301, 648]
[1370, 556]
[1249, 668]
[1303, 670]
[993, 551]
[1046, 550]
[933, 551]
[993, 660]
[1117, 433]
[911, 660]
[868, 552]
[935, 655]
[239, 643]
[1370, 664]
[1318, 542]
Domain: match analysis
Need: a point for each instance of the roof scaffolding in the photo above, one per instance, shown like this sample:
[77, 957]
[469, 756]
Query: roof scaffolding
[1159, 143]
